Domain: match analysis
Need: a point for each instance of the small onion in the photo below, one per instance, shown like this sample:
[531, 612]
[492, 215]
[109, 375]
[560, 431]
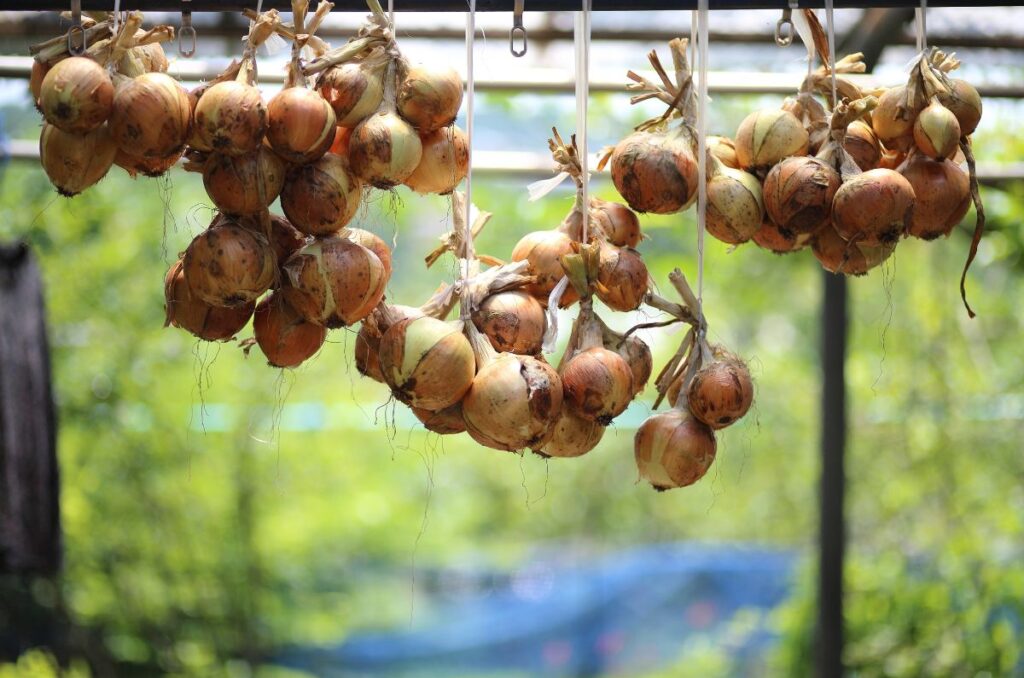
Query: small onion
[229, 265]
[637, 355]
[571, 436]
[354, 90]
[152, 57]
[285, 337]
[429, 98]
[873, 208]
[839, 256]
[937, 131]
[230, 118]
[513, 321]
[300, 124]
[862, 144]
[428, 363]
[943, 191]
[735, 207]
[617, 223]
[444, 422]
[151, 116]
[35, 80]
[334, 281]
[724, 149]
[384, 150]
[193, 315]
[673, 449]
[598, 384]
[771, 238]
[367, 350]
[721, 391]
[544, 249]
[321, 197]
[243, 184]
[965, 102]
[76, 95]
[150, 167]
[798, 194]
[654, 171]
[444, 163]
[893, 131]
[74, 162]
[622, 278]
[513, 403]
[372, 242]
[765, 137]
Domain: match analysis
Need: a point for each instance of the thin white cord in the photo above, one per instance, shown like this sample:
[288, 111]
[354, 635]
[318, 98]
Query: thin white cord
[470, 44]
[922, 28]
[391, 13]
[830, 21]
[582, 40]
[117, 16]
[702, 145]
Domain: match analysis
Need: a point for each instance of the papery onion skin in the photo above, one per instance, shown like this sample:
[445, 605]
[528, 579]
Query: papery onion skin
[873, 208]
[428, 363]
[229, 265]
[655, 172]
[150, 167]
[769, 237]
[862, 144]
[735, 207]
[513, 321]
[372, 242]
[342, 135]
[444, 422]
[798, 194]
[152, 57]
[937, 132]
[721, 391]
[429, 97]
[619, 224]
[724, 149]
[285, 337]
[243, 184]
[151, 116]
[230, 118]
[623, 278]
[444, 163]
[965, 102]
[943, 191]
[384, 150]
[571, 436]
[367, 349]
[300, 125]
[284, 238]
[513, 403]
[637, 355]
[543, 249]
[321, 197]
[195, 316]
[893, 131]
[839, 256]
[765, 137]
[598, 384]
[35, 81]
[74, 162]
[353, 90]
[673, 449]
[76, 95]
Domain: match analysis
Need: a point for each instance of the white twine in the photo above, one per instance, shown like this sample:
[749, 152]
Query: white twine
[831, 27]
[391, 14]
[582, 39]
[117, 16]
[470, 85]
[922, 27]
[702, 145]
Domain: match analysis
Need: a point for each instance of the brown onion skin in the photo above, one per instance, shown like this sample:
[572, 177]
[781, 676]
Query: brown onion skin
[284, 238]
[229, 265]
[76, 95]
[724, 149]
[673, 449]
[862, 144]
[571, 436]
[428, 363]
[353, 91]
[342, 135]
[598, 384]
[721, 391]
[300, 125]
[943, 191]
[150, 167]
[152, 57]
[839, 256]
[637, 355]
[655, 172]
[234, 182]
[35, 81]
[429, 98]
[622, 278]
[891, 159]
[893, 131]
[285, 337]
[445, 162]
[372, 242]
[384, 150]
[617, 223]
[513, 321]
[873, 208]
[513, 403]
[74, 162]
[769, 237]
[798, 194]
[185, 310]
[445, 422]
[321, 197]
[151, 116]
[367, 350]
[965, 102]
[334, 282]
[543, 250]
[766, 137]
[230, 118]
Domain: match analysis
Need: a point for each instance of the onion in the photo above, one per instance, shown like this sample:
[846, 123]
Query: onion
[765, 137]
[429, 98]
[300, 124]
[334, 281]
[937, 131]
[862, 144]
[151, 116]
[965, 102]
[513, 403]
[384, 150]
[943, 191]
[544, 249]
[598, 384]
[428, 363]
[285, 239]
[656, 171]
[372, 242]
[35, 80]
[622, 278]
[771, 238]
[444, 163]
[616, 222]
[637, 355]
[724, 149]
[850, 258]
[798, 194]
[243, 184]
[721, 391]
[735, 207]
[673, 449]
[342, 135]
[230, 118]
[76, 95]
[150, 167]
[229, 265]
[514, 322]
[152, 57]
[444, 422]
[73, 161]
[891, 159]
[895, 132]
[367, 351]
[354, 91]
[571, 436]
[321, 197]
[193, 315]
[873, 208]
[285, 337]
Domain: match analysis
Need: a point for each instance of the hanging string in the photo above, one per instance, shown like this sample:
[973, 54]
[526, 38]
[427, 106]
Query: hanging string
[693, 38]
[702, 146]
[582, 38]
[391, 14]
[831, 26]
[117, 17]
[922, 27]
[468, 226]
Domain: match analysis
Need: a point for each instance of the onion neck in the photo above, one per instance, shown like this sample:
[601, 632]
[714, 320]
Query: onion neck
[482, 348]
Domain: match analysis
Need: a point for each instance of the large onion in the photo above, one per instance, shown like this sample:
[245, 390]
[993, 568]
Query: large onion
[571, 436]
[514, 322]
[873, 208]
[622, 278]
[286, 338]
[598, 384]
[943, 191]
[76, 95]
[321, 197]
[771, 238]
[354, 90]
[367, 349]
[150, 167]
[721, 391]
[965, 102]
[372, 242]
[862, 144]
[892, 130]
[673, 449]
[211, 323]
[850, 258]
[300, 124]
[937, 131]
[428, 363]
[765, 137]
[544, 249]
[735, 207]
[429, 97]
[229, 265]
[243, 184]
[798, 194]
[443, 422]
[151, 116]
[444, 163]
[384, 150]
[230, 118]
[656, 171]
[616, 222]
[74, 162]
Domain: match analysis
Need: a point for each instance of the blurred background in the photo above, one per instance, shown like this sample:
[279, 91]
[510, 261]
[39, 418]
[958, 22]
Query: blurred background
[223, 518]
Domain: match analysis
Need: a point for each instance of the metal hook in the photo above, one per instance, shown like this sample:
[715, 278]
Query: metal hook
[76, 29]
[517, 29]
[187, 31]
[784, 29]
